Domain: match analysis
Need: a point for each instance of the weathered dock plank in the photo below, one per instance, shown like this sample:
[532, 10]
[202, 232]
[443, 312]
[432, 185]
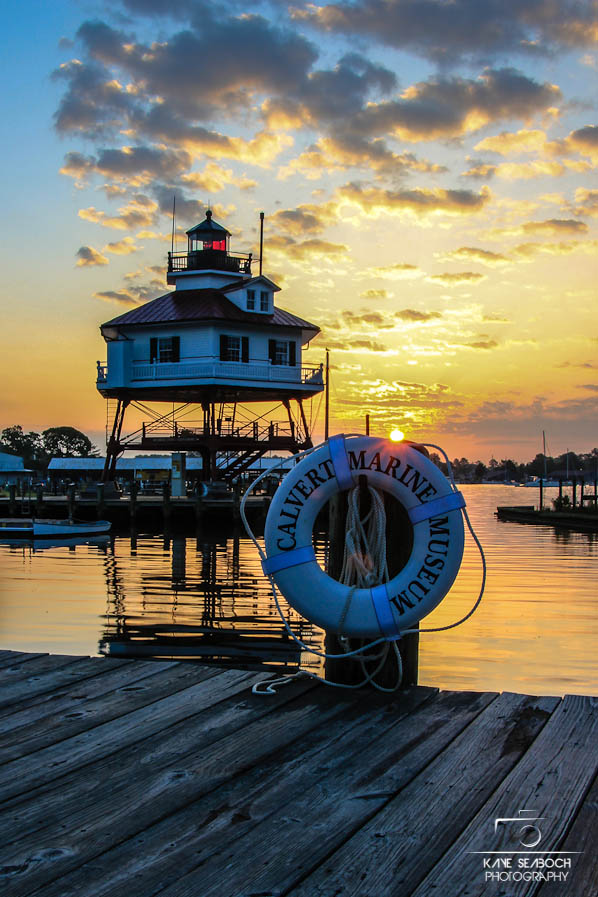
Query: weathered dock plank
[583, 837]
[95, 701]
[160, 788]
[11, 658]
[378, 859]
[46, 766]
[551, 780]
[173, 779]
[167, 850]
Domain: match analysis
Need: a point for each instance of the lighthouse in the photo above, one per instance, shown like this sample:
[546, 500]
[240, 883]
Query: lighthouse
[214, 349]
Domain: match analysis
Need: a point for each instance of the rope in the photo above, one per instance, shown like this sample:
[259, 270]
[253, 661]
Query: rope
[380, 543]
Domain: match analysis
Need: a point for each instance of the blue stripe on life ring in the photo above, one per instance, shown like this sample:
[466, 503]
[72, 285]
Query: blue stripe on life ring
[451, 502]
[386, 621]
[340, 462]
[288, 559]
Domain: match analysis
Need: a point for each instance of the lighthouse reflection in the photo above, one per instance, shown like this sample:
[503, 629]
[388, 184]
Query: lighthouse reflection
[201, 598]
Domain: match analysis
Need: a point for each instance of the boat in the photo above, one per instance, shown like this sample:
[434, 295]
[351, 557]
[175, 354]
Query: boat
[31, 527]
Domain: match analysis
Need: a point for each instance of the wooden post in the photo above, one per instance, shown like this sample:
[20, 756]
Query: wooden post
[367, 425]
[100, 506]
[39, 500]
[12, 499]
[350, 671]
[166, 505]
[574, 482]
[133, 501]
[70, 494]
[198, 503]
[541, 493]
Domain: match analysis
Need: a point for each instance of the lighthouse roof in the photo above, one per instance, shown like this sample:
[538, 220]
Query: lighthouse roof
[208, 226]
[186, 306]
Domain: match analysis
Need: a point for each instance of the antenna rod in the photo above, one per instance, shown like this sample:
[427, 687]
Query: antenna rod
[261, 239]
[327, 395]
[173, 219]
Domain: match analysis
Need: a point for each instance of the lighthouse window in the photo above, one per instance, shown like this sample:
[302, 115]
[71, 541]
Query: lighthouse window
[264, 301]
[281, 352]
[164, 349]
[234, 348]
[251, 300]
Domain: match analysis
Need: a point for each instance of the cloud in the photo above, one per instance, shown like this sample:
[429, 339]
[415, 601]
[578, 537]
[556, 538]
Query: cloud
[134, 165]
[88, 257]
[586, 202]
[474, 254]
[445, 107]
[398, 271]
[483, 344]
[527, 251]
[260, 57]
[330, 95]
[360, 345]
[411, 314]
[304, 219]
[214, 178]
[141, 211]
[123, 296]
[419, 201]
[375, 294]
[353, 151]
[456, 279]
[123, 247]
[307, 250]
[447, 32]
[555, 226]
[508, 143]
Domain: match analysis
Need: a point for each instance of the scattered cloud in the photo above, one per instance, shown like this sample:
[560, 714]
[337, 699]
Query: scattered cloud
[446, 33]
[141, 211]
[456, 279]
[475, 254]
[88, 257]
[419, 201]
[122, 247]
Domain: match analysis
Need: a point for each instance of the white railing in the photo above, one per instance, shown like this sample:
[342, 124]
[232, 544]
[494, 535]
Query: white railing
[231, 370]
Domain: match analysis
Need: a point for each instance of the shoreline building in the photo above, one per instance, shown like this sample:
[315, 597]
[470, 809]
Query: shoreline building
[212, 348]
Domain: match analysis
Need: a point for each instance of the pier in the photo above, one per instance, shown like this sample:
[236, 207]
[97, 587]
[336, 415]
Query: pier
[174, 779]
[152, 510]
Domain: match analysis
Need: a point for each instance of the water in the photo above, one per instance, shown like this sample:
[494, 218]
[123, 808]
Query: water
[535, 632]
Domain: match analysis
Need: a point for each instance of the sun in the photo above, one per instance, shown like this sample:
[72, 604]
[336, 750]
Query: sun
[397, 435]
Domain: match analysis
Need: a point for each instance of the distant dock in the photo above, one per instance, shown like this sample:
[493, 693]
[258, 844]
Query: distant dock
[585, 521]
[150, 778]
[152, 510]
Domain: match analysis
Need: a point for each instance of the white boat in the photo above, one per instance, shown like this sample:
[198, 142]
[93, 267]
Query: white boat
[31, 527]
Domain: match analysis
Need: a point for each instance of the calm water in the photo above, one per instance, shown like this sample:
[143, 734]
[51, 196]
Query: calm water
[535, 632]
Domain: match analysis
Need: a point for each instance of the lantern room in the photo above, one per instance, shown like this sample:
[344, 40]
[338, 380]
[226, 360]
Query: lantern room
[207, 251]
[209, 236]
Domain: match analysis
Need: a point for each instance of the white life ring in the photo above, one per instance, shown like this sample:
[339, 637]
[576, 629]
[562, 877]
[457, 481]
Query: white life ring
[433, 508]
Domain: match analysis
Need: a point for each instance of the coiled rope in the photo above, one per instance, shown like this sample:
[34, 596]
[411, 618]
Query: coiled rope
[364, 565]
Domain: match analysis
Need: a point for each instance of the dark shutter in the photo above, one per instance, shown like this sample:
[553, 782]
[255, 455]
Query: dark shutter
[176, 348]
[245, 349]
[292, 353]
[272, 350]
[223, 347]
[153, 349]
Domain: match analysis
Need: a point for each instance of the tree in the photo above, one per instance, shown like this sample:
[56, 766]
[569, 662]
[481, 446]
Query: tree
[28, 445]
[67, 441]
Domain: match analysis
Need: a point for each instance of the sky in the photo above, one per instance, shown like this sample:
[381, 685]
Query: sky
[427, 172]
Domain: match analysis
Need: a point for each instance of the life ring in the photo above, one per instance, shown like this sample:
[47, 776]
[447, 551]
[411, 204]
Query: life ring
[433, 508]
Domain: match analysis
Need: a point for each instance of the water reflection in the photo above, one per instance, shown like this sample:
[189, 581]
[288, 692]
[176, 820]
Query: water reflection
[195, 598]
[204, 596]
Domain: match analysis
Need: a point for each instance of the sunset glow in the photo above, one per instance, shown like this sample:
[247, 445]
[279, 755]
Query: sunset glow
[427, 173]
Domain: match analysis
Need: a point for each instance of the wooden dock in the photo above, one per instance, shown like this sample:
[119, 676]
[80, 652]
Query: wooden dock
[150, 778]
